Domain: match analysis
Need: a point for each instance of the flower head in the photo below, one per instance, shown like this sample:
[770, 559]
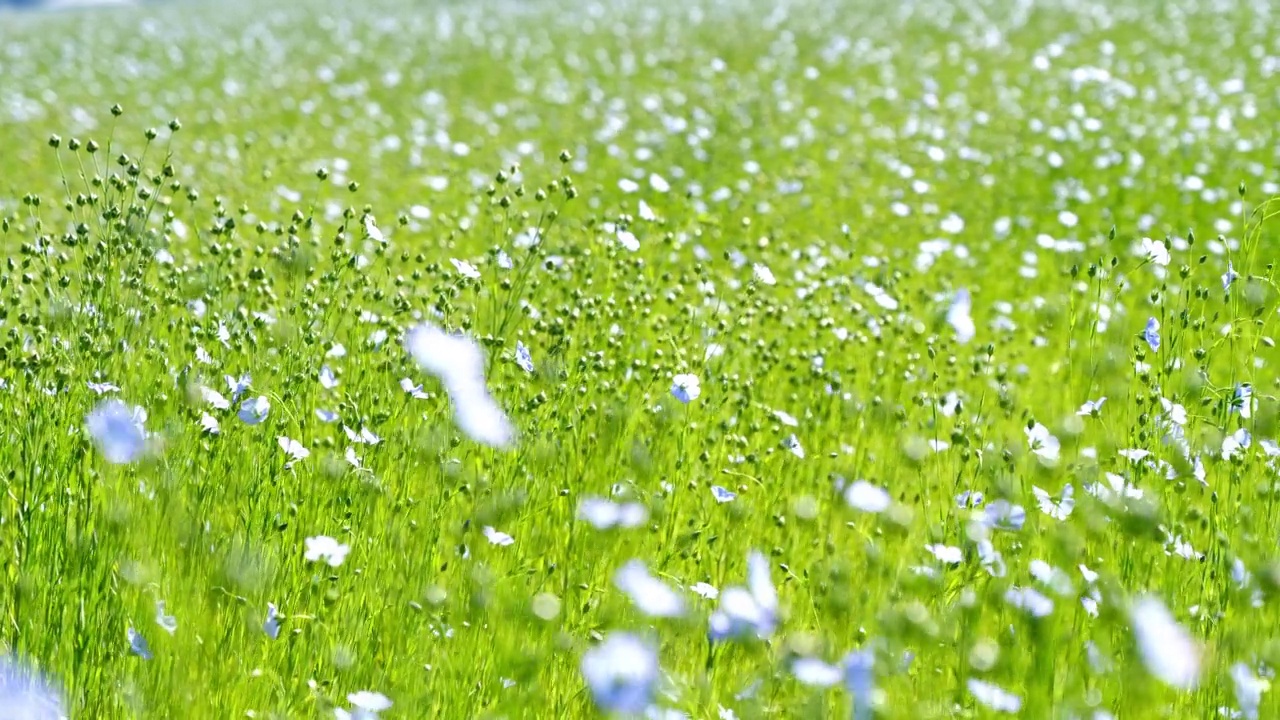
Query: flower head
[685, 388]
[118, 431]
[750, 610]
[621, 673]
[254, 410]
[326, 549]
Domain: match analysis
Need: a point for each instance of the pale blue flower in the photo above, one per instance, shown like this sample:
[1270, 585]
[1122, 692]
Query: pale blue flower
[138, 644]
[325, 548]
[1152, 334]
[1229, 276]
[686, 388]
[1004, 515]
[1242, 401]
[816, 672]
[118, 431]
[750, 610]
[24, 695]
[959, 319]
[271, 626]
[604, 514]
[523, 358]
[722, 495]
[165, 620]
[621, 673]
[458, 362]
[859, 680]
[254, 410]
[328, 380]
[993, 696]
[650, 595]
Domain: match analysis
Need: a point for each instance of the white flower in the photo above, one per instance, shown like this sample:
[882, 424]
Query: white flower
[993, 696]
[465, 268]
[763, 274]
[328, 380]
[24, 695]
[1042, 442]
[815, 672]
[706, 590]
[1056, 509]
[323, 547]
[605, 514]
[1155, 251]
[749, 610]
[459, 364]
[214, 398]
[786, 418]
[1091, 407]
[254, 410]
[293, 449]
[627, 239]
[1167, 649]
[650, 595]
[792, 443]
[686, 387]
[165, 620]
[621, 673]
[209, 424]
[118, 430]
[946, 554]
[959, 319]
[497, 537]
[866, 497]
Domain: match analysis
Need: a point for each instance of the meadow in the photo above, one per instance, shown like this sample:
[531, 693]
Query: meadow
[658, 359]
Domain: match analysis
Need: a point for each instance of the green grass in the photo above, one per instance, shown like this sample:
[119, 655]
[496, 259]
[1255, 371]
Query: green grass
[829, 142]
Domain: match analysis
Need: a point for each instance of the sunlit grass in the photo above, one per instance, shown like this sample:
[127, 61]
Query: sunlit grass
[821, 299]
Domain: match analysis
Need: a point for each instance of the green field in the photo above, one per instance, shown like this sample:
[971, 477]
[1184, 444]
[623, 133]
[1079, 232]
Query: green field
[503, 359]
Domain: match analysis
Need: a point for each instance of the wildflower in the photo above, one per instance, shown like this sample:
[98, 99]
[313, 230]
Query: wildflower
[337, 351]
[815, 672]
[1091, 408]
[371, 229]
[325, 548]
[523, 358]
[415, 391]
[209, 424]
[459, 364]
[327, 379]
[1242, 400]
[497, 537]
[293, 449]
[164, 620]
[621, 673]
[326, 416]
[118, 430]
[604, 514]
[25, 696]
[763, 274]
[1056, 509]
[1042, 442]
[137, 643]
[365, 705]
[990, 559]
[1030, 600]
[238, 386]
[785, 418]
[1248, 688]
[214, 398]
[752, 609]
[1229, 276]
[650, 595]
[1167, 649]
[627, 239]
[866, 497]
[1155, 251]
[1004, 515]
[859, 680]
[993, 696]
[705, 590]
[722, 495]
[686, 388]
[1235, 442]
[364, 437]
[465, 268]
[102, 388]
[1152, 334]
[254, 410]
[271, 626]
[792, 443]
[959, 319]
[946, 554]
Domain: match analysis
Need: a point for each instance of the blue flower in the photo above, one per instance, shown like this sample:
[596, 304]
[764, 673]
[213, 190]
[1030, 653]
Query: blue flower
[138, 644]
[25, 695]
[722, 495]
[1004, 515]
[859, 680]
[523, 358]
[118, 431]
[752, 610]
[1152, 334]
[621, 673]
